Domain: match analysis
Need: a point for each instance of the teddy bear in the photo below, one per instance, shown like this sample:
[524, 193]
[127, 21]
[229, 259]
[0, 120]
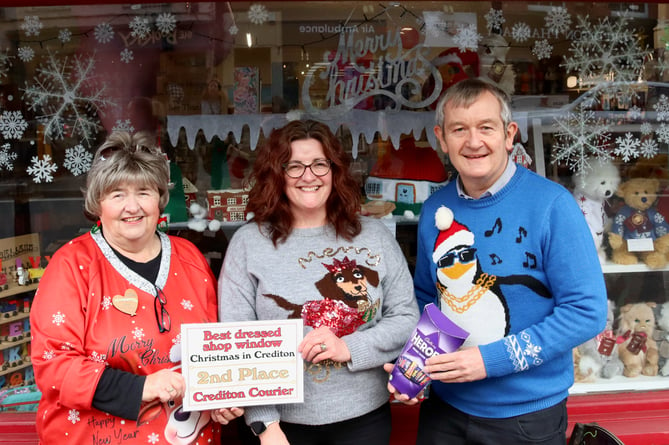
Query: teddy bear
[636, 347]
[598, 357]
[661, 336]
[638, 230]
[592, 187]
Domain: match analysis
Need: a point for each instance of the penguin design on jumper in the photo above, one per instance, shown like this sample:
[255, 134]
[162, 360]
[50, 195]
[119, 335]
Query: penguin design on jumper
[470, 297]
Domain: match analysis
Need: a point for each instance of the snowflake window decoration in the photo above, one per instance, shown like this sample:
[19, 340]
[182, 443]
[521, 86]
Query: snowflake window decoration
[127, 55]
[627, 147]
[67, 94]
[166, 23]
[662, 133]
[467, 38]
[649, 148]
[78, 160]
[5, 63]
[233, 30]
[12, 124]
[258, 14]
[104, 33]
[521, 32]
[7, 158]
[662, 109]
[606, 51]
[542, 49]
[494, 19]
[140, 27]
[123, 125]
[646, 128]
[64, 35]
[31, 25]
[26, 53]
[42, 171]
[578, 136]
[558, 21]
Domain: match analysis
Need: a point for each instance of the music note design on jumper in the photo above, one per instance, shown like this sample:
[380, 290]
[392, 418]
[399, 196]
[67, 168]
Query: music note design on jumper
[521, 233]
[498, 226]
[530, 260]
[495, 259]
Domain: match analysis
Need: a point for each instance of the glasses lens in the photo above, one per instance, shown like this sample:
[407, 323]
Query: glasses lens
[294, 169]
[320, 167]
[107, 152]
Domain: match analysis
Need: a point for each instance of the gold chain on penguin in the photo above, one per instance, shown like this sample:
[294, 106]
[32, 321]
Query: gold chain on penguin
[474, 294]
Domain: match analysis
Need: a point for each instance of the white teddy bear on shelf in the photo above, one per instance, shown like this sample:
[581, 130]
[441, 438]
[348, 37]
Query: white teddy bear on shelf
[591, 190]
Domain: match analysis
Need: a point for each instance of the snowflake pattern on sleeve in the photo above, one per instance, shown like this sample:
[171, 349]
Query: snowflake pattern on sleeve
[522, 351]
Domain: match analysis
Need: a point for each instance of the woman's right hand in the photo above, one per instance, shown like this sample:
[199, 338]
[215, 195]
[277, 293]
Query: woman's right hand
[273, 435]
[165, 385]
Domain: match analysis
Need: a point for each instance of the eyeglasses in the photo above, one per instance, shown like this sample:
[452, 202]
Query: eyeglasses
[319, 167]
[162, 316]
[464, 256]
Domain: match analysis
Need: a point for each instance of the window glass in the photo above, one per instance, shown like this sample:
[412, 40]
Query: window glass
[210, 80]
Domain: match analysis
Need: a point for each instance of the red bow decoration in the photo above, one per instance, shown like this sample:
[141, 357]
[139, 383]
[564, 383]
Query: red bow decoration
[336, 315]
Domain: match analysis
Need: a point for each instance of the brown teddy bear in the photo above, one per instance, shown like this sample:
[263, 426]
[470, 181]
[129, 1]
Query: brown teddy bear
[639, 223]
[636, 348]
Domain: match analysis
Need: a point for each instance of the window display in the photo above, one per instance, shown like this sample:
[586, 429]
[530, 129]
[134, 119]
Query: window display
[589, 84]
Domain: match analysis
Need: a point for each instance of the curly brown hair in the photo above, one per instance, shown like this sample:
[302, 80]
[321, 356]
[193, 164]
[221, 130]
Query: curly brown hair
[268, 200]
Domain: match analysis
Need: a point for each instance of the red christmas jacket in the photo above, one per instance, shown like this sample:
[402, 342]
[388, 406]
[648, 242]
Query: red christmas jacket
[82, 321]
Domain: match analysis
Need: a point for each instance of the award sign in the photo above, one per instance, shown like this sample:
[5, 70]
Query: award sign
[241, 364]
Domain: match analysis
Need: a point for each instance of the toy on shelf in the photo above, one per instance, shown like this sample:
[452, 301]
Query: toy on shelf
[598, 357]
[638, 230]
[661, 336]
[636, 347]
[591, 190]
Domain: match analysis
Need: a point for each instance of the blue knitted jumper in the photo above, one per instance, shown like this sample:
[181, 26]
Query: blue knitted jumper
[520, 272]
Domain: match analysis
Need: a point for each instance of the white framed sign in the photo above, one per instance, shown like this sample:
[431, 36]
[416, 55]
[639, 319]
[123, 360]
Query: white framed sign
[241, 364]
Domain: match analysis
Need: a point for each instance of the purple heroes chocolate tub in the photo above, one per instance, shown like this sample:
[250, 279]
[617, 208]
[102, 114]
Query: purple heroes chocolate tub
[434, 334]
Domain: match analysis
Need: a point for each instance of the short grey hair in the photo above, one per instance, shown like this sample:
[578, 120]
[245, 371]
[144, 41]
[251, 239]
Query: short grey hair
[465, 92]
[126, 158]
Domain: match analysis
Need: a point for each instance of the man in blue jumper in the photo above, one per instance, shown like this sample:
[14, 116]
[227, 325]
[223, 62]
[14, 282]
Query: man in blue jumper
[507, 255]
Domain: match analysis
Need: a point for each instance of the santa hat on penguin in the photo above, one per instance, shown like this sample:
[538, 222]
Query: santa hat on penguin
[451, 233]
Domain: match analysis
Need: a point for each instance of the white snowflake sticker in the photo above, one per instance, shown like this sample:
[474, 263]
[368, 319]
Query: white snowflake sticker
[127, 55]
[494, 19]
[12, 124]
[606, 51]
[649, 148]
[123, 125]
[166, 23]
[542, 49]
[104, 33]
[5, 63]
[140, 27]
[31, 25]
[7, 158]
[578, 136]
[78, 160]
[258, 14]
[42, 170]
[67, 94]
[467, 38]
[233, 30]
[521, 32]
[627, 147]
[64, 35]
[558, 20]
[26, 53]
